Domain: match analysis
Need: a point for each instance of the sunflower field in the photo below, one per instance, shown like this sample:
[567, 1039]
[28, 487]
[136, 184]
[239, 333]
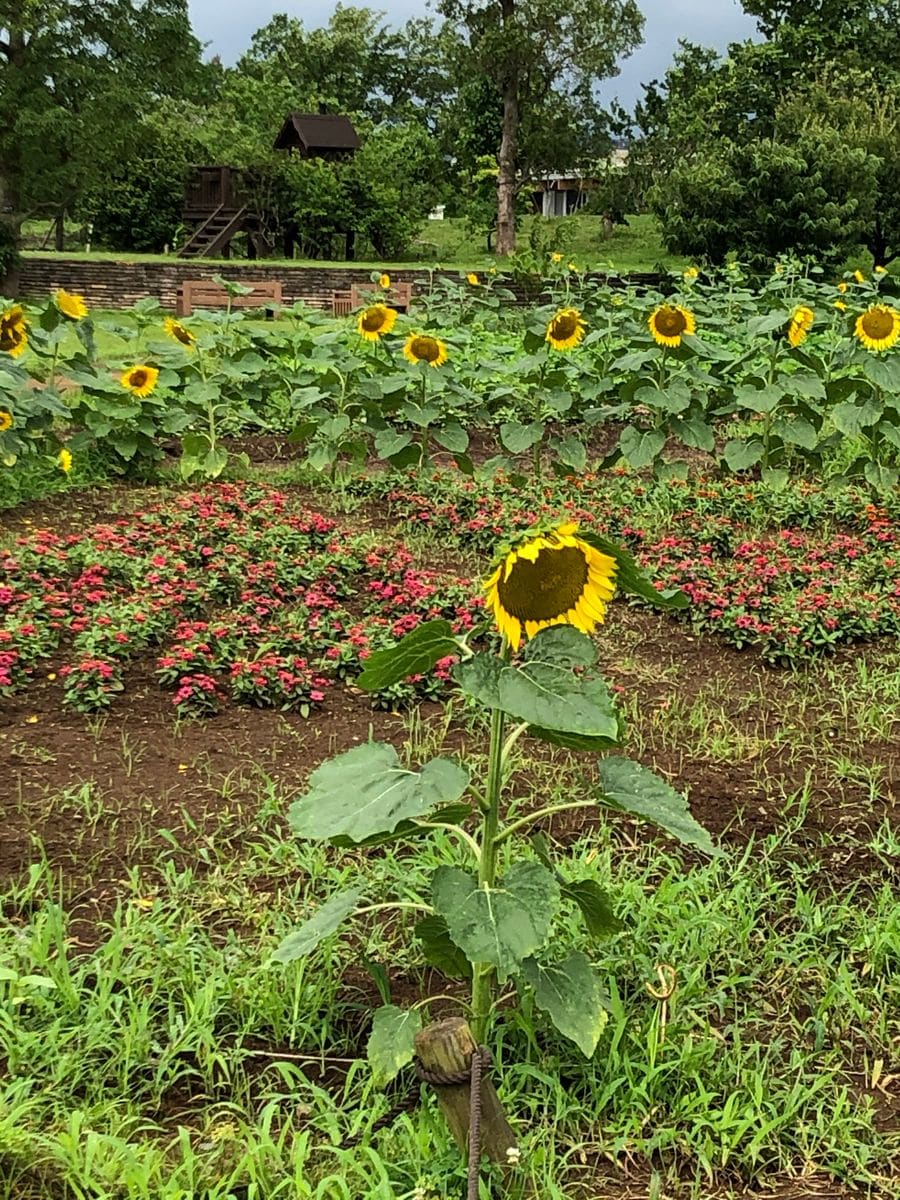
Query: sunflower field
[525, 670]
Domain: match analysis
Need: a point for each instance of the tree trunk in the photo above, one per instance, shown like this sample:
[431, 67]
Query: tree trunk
[60, 235]
[509, 148]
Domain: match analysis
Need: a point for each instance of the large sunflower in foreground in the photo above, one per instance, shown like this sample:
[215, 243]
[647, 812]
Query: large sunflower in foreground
[70, 304]
[13, 331]
[554, 578]
[669, 323]
[799, 325]
[878, 328]
[176, 330]
[566, 329]
[375, 321]
[421, 347]
[140, 381]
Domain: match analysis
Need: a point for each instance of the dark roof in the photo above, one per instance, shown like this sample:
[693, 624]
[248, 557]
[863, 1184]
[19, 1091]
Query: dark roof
[313, 132]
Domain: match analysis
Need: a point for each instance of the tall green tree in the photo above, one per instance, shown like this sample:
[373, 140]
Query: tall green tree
[75, 77]
[544, 59]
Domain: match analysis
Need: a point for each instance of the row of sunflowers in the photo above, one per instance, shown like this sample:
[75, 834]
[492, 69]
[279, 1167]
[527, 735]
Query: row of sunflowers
[789, 375]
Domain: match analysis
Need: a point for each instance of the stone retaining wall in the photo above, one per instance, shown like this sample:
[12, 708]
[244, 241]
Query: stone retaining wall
[112, 284]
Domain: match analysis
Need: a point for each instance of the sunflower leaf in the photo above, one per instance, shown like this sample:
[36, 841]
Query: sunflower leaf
[365, 791]
[629, 576]
[392, 1041]
[544, 688]
[503, 924]
[571, 994]
[320, 925]
[632, 788]
[414, 654]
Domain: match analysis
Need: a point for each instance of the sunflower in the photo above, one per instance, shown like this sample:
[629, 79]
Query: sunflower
[5, 420]
[840, 305]
[421, 347]
[573, 266]
[176, 330]
[557, 258]
[669, 322]
[13, 331]
[64, 461]
[555, 578]
[690, 273]
[376, 320]
[140, 381]
[859, 277]
[878, 327]
[70, 304]
[472, 279]
[566, 329]
[799, 325]
[842, 286]
[881, 270]
[384, 281]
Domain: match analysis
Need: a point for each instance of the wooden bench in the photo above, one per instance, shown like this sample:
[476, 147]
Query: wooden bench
[398, 296]
[203, 293]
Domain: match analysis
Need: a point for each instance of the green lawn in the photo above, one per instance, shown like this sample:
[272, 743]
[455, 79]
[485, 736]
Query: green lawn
[448, 243]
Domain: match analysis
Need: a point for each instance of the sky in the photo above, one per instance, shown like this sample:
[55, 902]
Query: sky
[227, 28]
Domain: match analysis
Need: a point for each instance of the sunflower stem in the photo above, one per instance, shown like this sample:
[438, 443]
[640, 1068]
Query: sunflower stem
[483, 973]
[538, 815]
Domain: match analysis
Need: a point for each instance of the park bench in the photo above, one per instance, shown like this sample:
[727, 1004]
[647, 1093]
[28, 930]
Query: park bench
[204, 293]
[398, 296]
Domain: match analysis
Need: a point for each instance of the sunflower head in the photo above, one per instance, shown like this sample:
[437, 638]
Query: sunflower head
[140, 380]
[840, 305]
[565, 329]
[472, 279]
[878, 328]
[176, 330]
[13, 331]
[556, 258]
[375, 321]
[842, 286]
[70, 304]
[669, 323]
[64, 460]
[573, 266]
[799, 325]
[553, 578]
[881, 271]
[5, 420]
[859, 277]
[422, 348]
[690, 273]
[384, 281]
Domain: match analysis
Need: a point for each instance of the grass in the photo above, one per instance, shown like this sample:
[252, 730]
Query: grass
[635, 247]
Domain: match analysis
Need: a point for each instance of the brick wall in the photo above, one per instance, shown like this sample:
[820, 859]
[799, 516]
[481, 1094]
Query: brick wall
[111, 284]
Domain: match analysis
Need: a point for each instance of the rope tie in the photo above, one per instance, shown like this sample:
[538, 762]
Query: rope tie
[481, 1058]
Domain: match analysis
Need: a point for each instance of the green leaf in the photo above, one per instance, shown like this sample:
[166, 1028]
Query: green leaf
[388, 442]
[575, 741]
[883, 372]
[543, 689]
[517, 438]
[452, 814]
[414, 654]
[328, 917]
[758, 400]
[571, 994]
[392, 1041]
[571, 451]
[880, 477]
[439, 949]
[596, 907]
[503, 924]
[631, 788]
[213, 462]
[641, 447]
[695, 432]
[674, 398]
[796, 432]
[629, 576]
[851, 419]
[452, 437]
[739, 455]
[365, 791]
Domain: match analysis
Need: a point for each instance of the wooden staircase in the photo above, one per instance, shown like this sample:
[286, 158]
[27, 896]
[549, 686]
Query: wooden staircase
[213, 235]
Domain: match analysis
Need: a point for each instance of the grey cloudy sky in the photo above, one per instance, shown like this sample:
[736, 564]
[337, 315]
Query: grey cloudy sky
[227, 29]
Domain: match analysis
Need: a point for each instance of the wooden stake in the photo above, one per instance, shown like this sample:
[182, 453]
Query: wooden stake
[446, 1048]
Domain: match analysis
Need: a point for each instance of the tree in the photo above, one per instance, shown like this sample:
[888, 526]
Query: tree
[763, 198]
[543, 58]
[75, 77]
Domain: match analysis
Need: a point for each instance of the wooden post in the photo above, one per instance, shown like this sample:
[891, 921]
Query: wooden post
[445, 1048]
